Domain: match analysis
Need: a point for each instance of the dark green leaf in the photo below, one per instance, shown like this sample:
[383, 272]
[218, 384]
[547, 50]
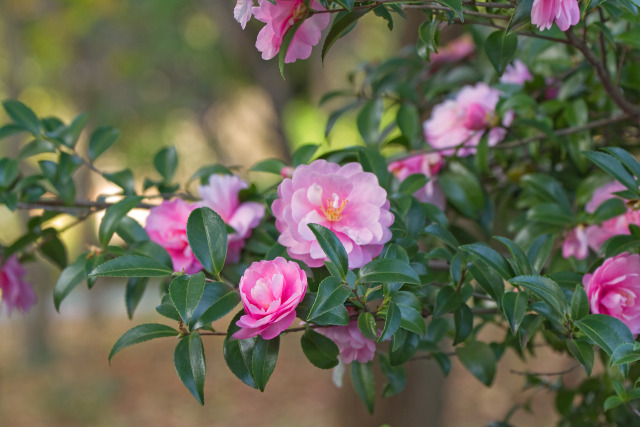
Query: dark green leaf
[410, 310]
[368, 121]
[612, 402]
[606, 332]
[364, 383]
[9, 130]
[113, 215]
[579, 303]
[463, 190]
[340, 26]
[455, 5]
[521, 15]
[545, 289]
[625, 353]
[392, 322]
[238, 357]
[304, 154]
[479, 359]
[123, 179]
[330, 299]
[217, 300]
[263, 360]
[132, 266]
[332, 248]
[273, 166]
[488, 279]
[130, 231]
[207, 235]
[190, 365]
[69, 278]
[53, 248]
[320, 350]
[142, 333]
[463, 319]
[521, 261]
[388, 270]
[490, 257]
[347, 4]
[447, 300]
[133, 293]
[284, 45]
[167, 309]
[500, 48]
[22, 115]
[396, 377]
[629, 161]
[514, 305]
[101, 140]
[166, 162]
[408, 120]
[186, 292]
[367, 325]
[613, 167]
[443, 234]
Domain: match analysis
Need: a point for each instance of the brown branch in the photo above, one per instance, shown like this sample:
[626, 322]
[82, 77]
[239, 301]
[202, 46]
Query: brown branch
[540, 374]
[78, 205]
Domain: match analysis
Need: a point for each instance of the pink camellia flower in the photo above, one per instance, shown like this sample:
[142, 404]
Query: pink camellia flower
[351, 343]
[428, 165]
[167, 226]
[464, 121]
[614, 289]
[454, 51]
[565, 13]
[14, 291]
[221, 195]
[576, 244]
[280, 17]
[516, 74]
[270, 292]
[344, 199]
[243, 12]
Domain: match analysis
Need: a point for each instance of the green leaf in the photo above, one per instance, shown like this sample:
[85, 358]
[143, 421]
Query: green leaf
[368, 121]
[186, 292]
[332, 294]
[132, 266]
[304, 154]
[551, 214]
[69, 135]
[490, 257]
[341, 25]
[463, 190]
[238, 361]
[273, 166]
[166, 162]
[545, 289]
[447, 300]
[410, 310]
[166, 308]
[455, 5]
[113, 215]
[625, 353]
[408, 120]
[392, 322]
[463, 319]
[613, 167]
[263, 360]
[217, 300]
[606, 332]
[9, 130]
[332, 248]
[130, 231]
[521, 261]
[443, 234]
[500, 48]
[396, 377]
[284, 45]
[612, 402]
[629, 161]
[367, 326]
[609, 209]
[364, 383]
[479, 359]
[22, 115]
[347, 4]
[579, 303]
[428, 38]
[53, 248]
[539, 251]
[123, 179]
[403, 346]
[583, 352]
[69, 278]
[133, 293]
[101, 140]
[388, 270]
[142, 333]
[514, 305]
[488, 279]
[320, 350]
[521, 15]
[190, 365]
[207, 235]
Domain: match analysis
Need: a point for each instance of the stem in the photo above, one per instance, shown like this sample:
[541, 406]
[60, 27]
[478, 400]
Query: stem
[78, 205]
[536, 374]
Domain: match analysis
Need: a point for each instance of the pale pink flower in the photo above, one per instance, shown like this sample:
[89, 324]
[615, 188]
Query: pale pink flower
[516, 74]
[602, 194]
[167, 226]
[280, 17]
[351, 343]
[465, 120]
[221, 195]
[344, 199]
[455, 50]
[614, 289]
[576, 244]
[15, 292]
[243, 12]
[270, 292]
[564, 13]
[428, 165]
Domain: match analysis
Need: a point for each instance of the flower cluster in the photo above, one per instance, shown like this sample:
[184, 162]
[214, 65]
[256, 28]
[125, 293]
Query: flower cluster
[15, 292]
[457, 125]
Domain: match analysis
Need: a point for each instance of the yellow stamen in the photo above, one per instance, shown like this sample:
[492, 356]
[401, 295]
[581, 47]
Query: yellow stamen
[333, 212]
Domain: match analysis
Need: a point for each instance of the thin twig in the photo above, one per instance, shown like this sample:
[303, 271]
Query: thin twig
[540, 374]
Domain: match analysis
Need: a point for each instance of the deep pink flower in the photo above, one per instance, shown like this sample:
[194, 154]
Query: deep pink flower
[426, 164]
[167, 226]
[614, 289]
[516, 74]
[455, 50]
[270, 292]
[465, 120]
[243, 12]
[15, 292]
[221, 195]
[565, 13]
[344, 199]
[279, 18]
[351, 343]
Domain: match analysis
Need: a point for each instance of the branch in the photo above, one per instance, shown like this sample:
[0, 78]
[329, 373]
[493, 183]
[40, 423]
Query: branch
[78, 205]
[539, 374]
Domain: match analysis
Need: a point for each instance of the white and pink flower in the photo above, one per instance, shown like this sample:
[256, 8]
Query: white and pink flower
[15, 292]
[427, 164]
[222, 196]
[344, 199]
[460, 123]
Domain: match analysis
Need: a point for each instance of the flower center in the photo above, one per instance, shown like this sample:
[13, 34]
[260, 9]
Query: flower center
[300, 12]
[334, 208]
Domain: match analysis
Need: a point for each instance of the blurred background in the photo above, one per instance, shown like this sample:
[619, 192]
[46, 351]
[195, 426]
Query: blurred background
[184, 73]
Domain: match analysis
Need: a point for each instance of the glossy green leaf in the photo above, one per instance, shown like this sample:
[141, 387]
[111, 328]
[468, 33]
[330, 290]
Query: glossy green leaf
[9, 130]
[69, 278]
[320, 350]
[332, 294]
[522, 265]
[514, 306]
[190, 364]
[132, 266]
[521, 15]
[364, 383]
[123, 179]
[462, 189]
[142, 333]
[613, 167]
[393, 320]
[447, 300]
[606, 332]
[332, 248]
[408, 120]
[207, 235]
[133, 293]
[304, 154]
[238, 357]
[545, 289]
[413, 183]
[443, 234]
[388, 270]
[368, 121]
[273, 166]
[101, 140]
[166, 162]
[367, 325]
[410, 310]
[396, 377]
[625, 353]
[53, 248]
[113, 215]
[186, 292]
[217, 300]
[579, 303]
[628, 160]
[263, 360]
[479, 359]
[22, 115]
[340, 26]
[455, 5]
[501, 48]
[491, 257]
[488, 279]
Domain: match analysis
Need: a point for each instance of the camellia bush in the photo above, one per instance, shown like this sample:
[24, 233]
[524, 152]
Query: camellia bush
[495, 184]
